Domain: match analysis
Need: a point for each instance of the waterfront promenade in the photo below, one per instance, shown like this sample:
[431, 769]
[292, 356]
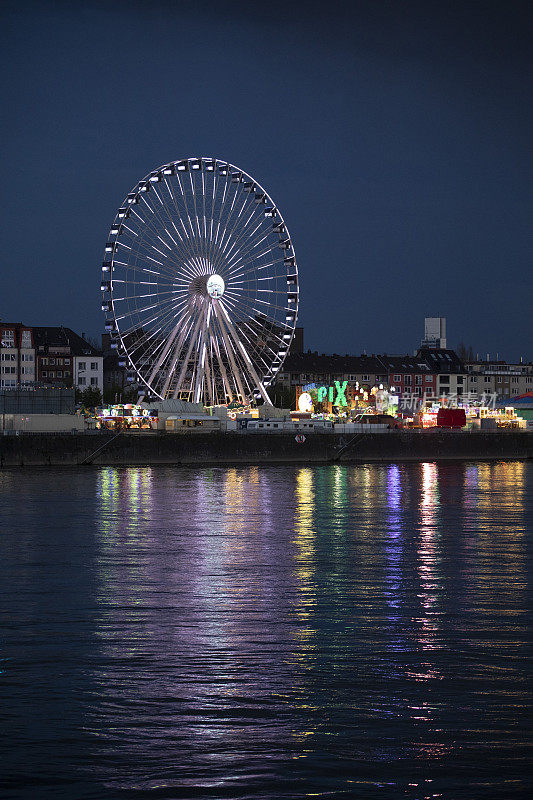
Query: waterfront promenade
[151, 448]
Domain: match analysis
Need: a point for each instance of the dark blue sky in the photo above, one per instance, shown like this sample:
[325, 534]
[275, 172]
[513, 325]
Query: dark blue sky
[394, 136]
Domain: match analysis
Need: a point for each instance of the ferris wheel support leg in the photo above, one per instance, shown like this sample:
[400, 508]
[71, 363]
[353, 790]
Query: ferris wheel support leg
[246, 357]
[223, 372]
[168, 345]
[187, 357]
[229, 349]
[208, 380]
[202, 356]
[175, 357]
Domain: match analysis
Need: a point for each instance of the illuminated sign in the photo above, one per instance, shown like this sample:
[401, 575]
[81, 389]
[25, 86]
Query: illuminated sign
[335, 394]
[305, 402]
[338, 391]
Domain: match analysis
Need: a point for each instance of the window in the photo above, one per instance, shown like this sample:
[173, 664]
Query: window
[52, 361]
[94, 381]
[26, 357]
[9, 357]
[51, 374]
[499, 378]
[459, 379]
[444, 378]
[397, 378]
[26, 339]
[487, 380]
[418, 379]
[82, 381]
[407, 380]
[59, 373]
[8, 338]
[365, 377]
[94, 365]
[473, 379]
[67, 373]
[429, 378]
[27, 370]
[44, 373]
[82, 365]
[514, 380]
[44, 361]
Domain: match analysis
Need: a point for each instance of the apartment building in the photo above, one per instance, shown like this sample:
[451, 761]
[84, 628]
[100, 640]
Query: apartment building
[17, 355]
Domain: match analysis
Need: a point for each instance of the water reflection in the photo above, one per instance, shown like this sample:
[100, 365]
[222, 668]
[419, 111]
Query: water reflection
[283, 632]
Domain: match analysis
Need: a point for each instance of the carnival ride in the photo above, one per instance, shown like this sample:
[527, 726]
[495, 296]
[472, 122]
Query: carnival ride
[200, 284]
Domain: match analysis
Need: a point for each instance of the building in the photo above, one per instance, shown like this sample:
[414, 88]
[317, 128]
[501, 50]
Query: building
[410, 377]
[500, 378]
[450, 372]
[17, 355]
[430, 374]
[297, 344]
[434, 333]
[66, 359]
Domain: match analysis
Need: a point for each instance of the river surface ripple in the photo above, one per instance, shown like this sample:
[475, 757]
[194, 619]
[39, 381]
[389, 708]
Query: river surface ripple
[266, 632]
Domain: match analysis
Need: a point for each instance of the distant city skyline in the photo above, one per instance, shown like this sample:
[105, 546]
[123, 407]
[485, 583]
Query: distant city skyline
[395, 139]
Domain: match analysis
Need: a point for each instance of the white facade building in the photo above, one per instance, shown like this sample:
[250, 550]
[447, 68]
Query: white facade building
[89, 372]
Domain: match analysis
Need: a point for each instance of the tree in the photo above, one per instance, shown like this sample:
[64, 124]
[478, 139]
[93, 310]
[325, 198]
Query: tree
[465, 353]
[282, 397]
[91, 397]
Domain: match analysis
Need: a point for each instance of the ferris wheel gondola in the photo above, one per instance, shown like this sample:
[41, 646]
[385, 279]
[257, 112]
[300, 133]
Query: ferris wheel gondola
[200, 284]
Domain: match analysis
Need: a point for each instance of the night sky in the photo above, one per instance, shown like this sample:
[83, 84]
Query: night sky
[395, 137]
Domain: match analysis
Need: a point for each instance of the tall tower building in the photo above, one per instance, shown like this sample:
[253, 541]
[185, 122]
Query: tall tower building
[435, 333]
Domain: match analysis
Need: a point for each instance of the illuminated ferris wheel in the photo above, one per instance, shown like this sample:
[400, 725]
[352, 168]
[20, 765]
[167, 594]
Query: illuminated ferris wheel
[200, 284]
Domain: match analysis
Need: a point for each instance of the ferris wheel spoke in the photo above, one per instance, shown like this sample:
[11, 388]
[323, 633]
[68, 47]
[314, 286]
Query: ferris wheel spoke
[182, 253]
[226, 191]
[224, 210]
[236, 274]
[250, 237]
[184, 196]
[243, 227]
[149, 335]
[191, 242]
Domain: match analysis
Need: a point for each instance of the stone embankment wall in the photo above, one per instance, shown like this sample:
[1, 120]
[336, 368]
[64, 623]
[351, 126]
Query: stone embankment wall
[128, 449]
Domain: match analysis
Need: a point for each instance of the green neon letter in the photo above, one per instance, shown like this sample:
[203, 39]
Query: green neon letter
[321, 394]
[330, 394]
[341, 393]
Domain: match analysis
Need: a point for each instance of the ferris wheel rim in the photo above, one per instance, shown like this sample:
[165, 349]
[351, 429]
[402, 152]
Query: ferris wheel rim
[237, 175]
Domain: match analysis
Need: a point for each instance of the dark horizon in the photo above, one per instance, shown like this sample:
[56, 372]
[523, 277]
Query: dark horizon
[395, 138]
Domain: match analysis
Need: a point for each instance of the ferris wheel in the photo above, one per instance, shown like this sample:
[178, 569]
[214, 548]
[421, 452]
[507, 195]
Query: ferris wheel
[200, 284]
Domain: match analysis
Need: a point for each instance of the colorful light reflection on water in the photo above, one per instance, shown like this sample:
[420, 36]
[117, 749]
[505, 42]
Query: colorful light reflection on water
[270, 632]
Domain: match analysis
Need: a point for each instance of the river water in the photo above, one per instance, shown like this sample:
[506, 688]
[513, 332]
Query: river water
[266, 632]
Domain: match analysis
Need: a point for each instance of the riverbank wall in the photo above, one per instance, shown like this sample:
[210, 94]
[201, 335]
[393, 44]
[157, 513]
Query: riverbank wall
[133, 449]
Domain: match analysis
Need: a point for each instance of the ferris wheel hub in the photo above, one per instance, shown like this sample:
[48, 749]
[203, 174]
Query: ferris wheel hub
[215, 286]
